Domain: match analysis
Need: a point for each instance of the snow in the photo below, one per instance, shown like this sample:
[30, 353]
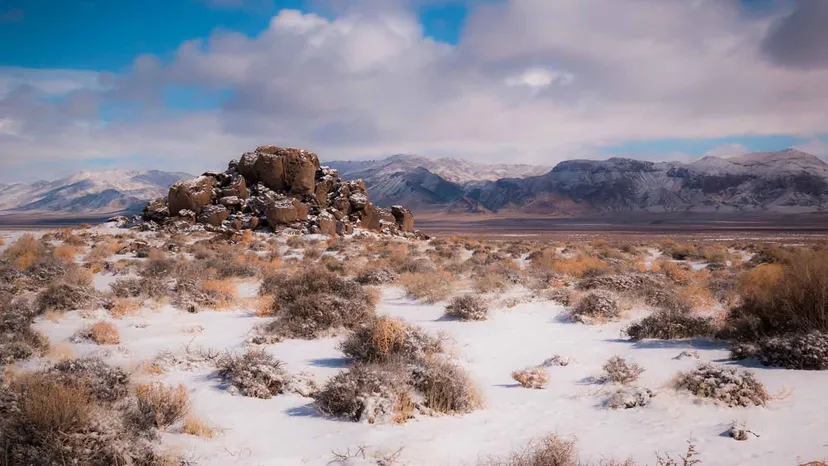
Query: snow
[285, 430]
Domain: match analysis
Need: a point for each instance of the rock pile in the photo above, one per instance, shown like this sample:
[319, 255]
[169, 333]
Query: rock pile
[279, 188]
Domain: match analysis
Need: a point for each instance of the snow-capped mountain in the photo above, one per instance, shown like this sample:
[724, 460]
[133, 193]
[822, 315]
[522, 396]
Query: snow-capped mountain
[88, 192]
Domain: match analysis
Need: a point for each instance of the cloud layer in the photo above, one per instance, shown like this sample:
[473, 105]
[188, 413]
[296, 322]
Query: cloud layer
[530, 80]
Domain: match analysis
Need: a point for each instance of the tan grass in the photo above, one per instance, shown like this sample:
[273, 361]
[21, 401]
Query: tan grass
[160, 404]
[122, 307]
[199, 428]
[104, 333]
[226, 290]
[429, 287]
[67, 252]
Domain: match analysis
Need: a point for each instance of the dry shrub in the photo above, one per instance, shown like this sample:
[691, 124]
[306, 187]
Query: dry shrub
[596, 307]
[446, 387]
[532, 377]
[103, 250]
[730, 385]
[667, 324]
[2, 242]
[23, 252]
[147, 287]
[18, 340]
[78, 276]
[66, 252]
[467, 307]
[61, 297]
[264, 306]
[428, 287]
[374, 275]
[548, 451]
[802, 352]
[579, 266]
[256, 373]
[197, 427]
[223, 292]
[491, 282]
[679, 274]
[618, 370]
[386, 338]
[122, 307]
[104, 333]
[102, 381]
[160, 405]
[783, 299]
[315, 301]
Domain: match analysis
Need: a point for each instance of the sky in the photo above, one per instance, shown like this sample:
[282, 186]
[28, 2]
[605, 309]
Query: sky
[187, 85]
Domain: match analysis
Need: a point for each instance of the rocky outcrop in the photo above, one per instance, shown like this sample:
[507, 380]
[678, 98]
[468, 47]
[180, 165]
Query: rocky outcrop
[279, 188]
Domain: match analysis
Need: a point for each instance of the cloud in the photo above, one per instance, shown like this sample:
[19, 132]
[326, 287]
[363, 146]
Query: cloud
[800, 39]
[727, 150]
[529, 80]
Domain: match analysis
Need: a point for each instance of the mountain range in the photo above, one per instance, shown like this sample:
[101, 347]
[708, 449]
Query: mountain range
[87, 193]
[788, 181]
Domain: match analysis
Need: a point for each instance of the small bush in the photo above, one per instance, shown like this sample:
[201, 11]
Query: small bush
[62, 297]
[732, 386]
[548, 451]
[532, 377]
[629, 397]
[803, 352]
[618, 370]
[255, 373]
[376, 276]
[387, 338]
[104, 333]
[446, 387]
[139, 287]
[428, 287]
[491, 282]
[596, 307]
[467, 307]
[160, 405]
[670, 325]
[100, 380]
[195, 426]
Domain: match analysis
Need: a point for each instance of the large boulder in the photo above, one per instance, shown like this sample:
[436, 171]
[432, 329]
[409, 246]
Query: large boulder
[291, 170]
[373, 217]
[191, 195]
[213, 215]
[404, 218]
[156, 210]
[236, 186]
[286, 211]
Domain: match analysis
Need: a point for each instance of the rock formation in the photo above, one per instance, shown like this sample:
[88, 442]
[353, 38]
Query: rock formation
[279, 188]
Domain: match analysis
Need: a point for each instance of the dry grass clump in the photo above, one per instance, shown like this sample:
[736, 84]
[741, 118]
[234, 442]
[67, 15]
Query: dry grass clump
[780, 299]
[104, 333]
[667, 324]
[548, 451]
[160, 405]
[101, 381]
[428, 287]
[619, 370]
[445, 386]
[374, 275]
[579, 266]
[467, 307]
[103, 250]
[491, 283]
[386, 338]
[532, 377]
[255, 373]
[18, 340]
[596, 307]
[729, 385]
[62, 297]
[197, 427]
[315, 301]
[802, 352]
[122, 307]
[67, 252]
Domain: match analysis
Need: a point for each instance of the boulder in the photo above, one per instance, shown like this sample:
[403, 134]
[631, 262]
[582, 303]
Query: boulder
[404, 218]
[286, 211]
[156, 210]
[344, 228]
[372, 217]
[213, 215]
[232, 203]
[236, 187]
[192, 195]
[327, 224]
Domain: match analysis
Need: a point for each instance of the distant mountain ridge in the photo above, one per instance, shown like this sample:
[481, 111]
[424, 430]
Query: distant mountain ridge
[88, 192]
[788, 181]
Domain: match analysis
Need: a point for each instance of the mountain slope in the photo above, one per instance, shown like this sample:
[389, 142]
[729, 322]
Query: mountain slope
[88, 192]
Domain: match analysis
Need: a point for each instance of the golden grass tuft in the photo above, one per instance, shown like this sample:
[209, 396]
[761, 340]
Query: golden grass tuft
[388, 333]
[67, 252]
[225, 290]
[429, 287]
[51, 407]
[104, 333]
[160, 404]
[197, 427]
[122, 307]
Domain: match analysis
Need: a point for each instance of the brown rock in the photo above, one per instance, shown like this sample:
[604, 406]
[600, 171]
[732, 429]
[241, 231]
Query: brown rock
[323, 188]
[327, 224]
[344, 228]
[192, 194]
[404, 218]
[372, 217]
[213, 215]
[286, 211]
[156, 210]
[236, 187]
[247, 167]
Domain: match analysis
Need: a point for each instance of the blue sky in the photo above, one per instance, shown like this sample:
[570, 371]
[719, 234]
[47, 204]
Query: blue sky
[86, 83]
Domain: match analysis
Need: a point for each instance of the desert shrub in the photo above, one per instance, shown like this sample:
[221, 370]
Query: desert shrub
[619, 370]
[17, 339]
[66, 252]
[100, 380]
[372, 393]
[562, 296]
[467, 307]
[579, 266]
[139, 287]
[670, 325]
[160, 405]
[729, 385]
[777, 300]
[491, 282]
[445, 386]
[428, 287]
[314, 301]
[255, 373]
[629, 397]
[532, 377]
[103, 333]
[62, 297]
[415, 265]
[197, 427]
[597, 306]
[620, 283]
[376, 276]
[803, 352]
[386, 338]
[548, 451]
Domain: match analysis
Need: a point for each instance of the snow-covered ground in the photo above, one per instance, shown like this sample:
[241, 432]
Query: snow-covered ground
[286, 430]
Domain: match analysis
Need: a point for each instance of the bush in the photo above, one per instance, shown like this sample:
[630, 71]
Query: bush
[491, 282]
[532, 377]
[104, 333]
[62, 297]
[376, 276]
[387, 338]
[372, 393]
[446, 387]
[803, 352]
[629, 397]
[17, 339]
[467, 307]
[139, 287]
[618, 370]
[315, 301]
[428, 287]
[670, 325]
[732, 386]
[100, 380]
[195, 426]
[548, 451]
[255, 373]
[160, 405]
[596, 307]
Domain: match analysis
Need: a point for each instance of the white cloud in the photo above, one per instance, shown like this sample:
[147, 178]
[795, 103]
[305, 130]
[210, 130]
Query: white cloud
[368, 83]
[728, 150]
